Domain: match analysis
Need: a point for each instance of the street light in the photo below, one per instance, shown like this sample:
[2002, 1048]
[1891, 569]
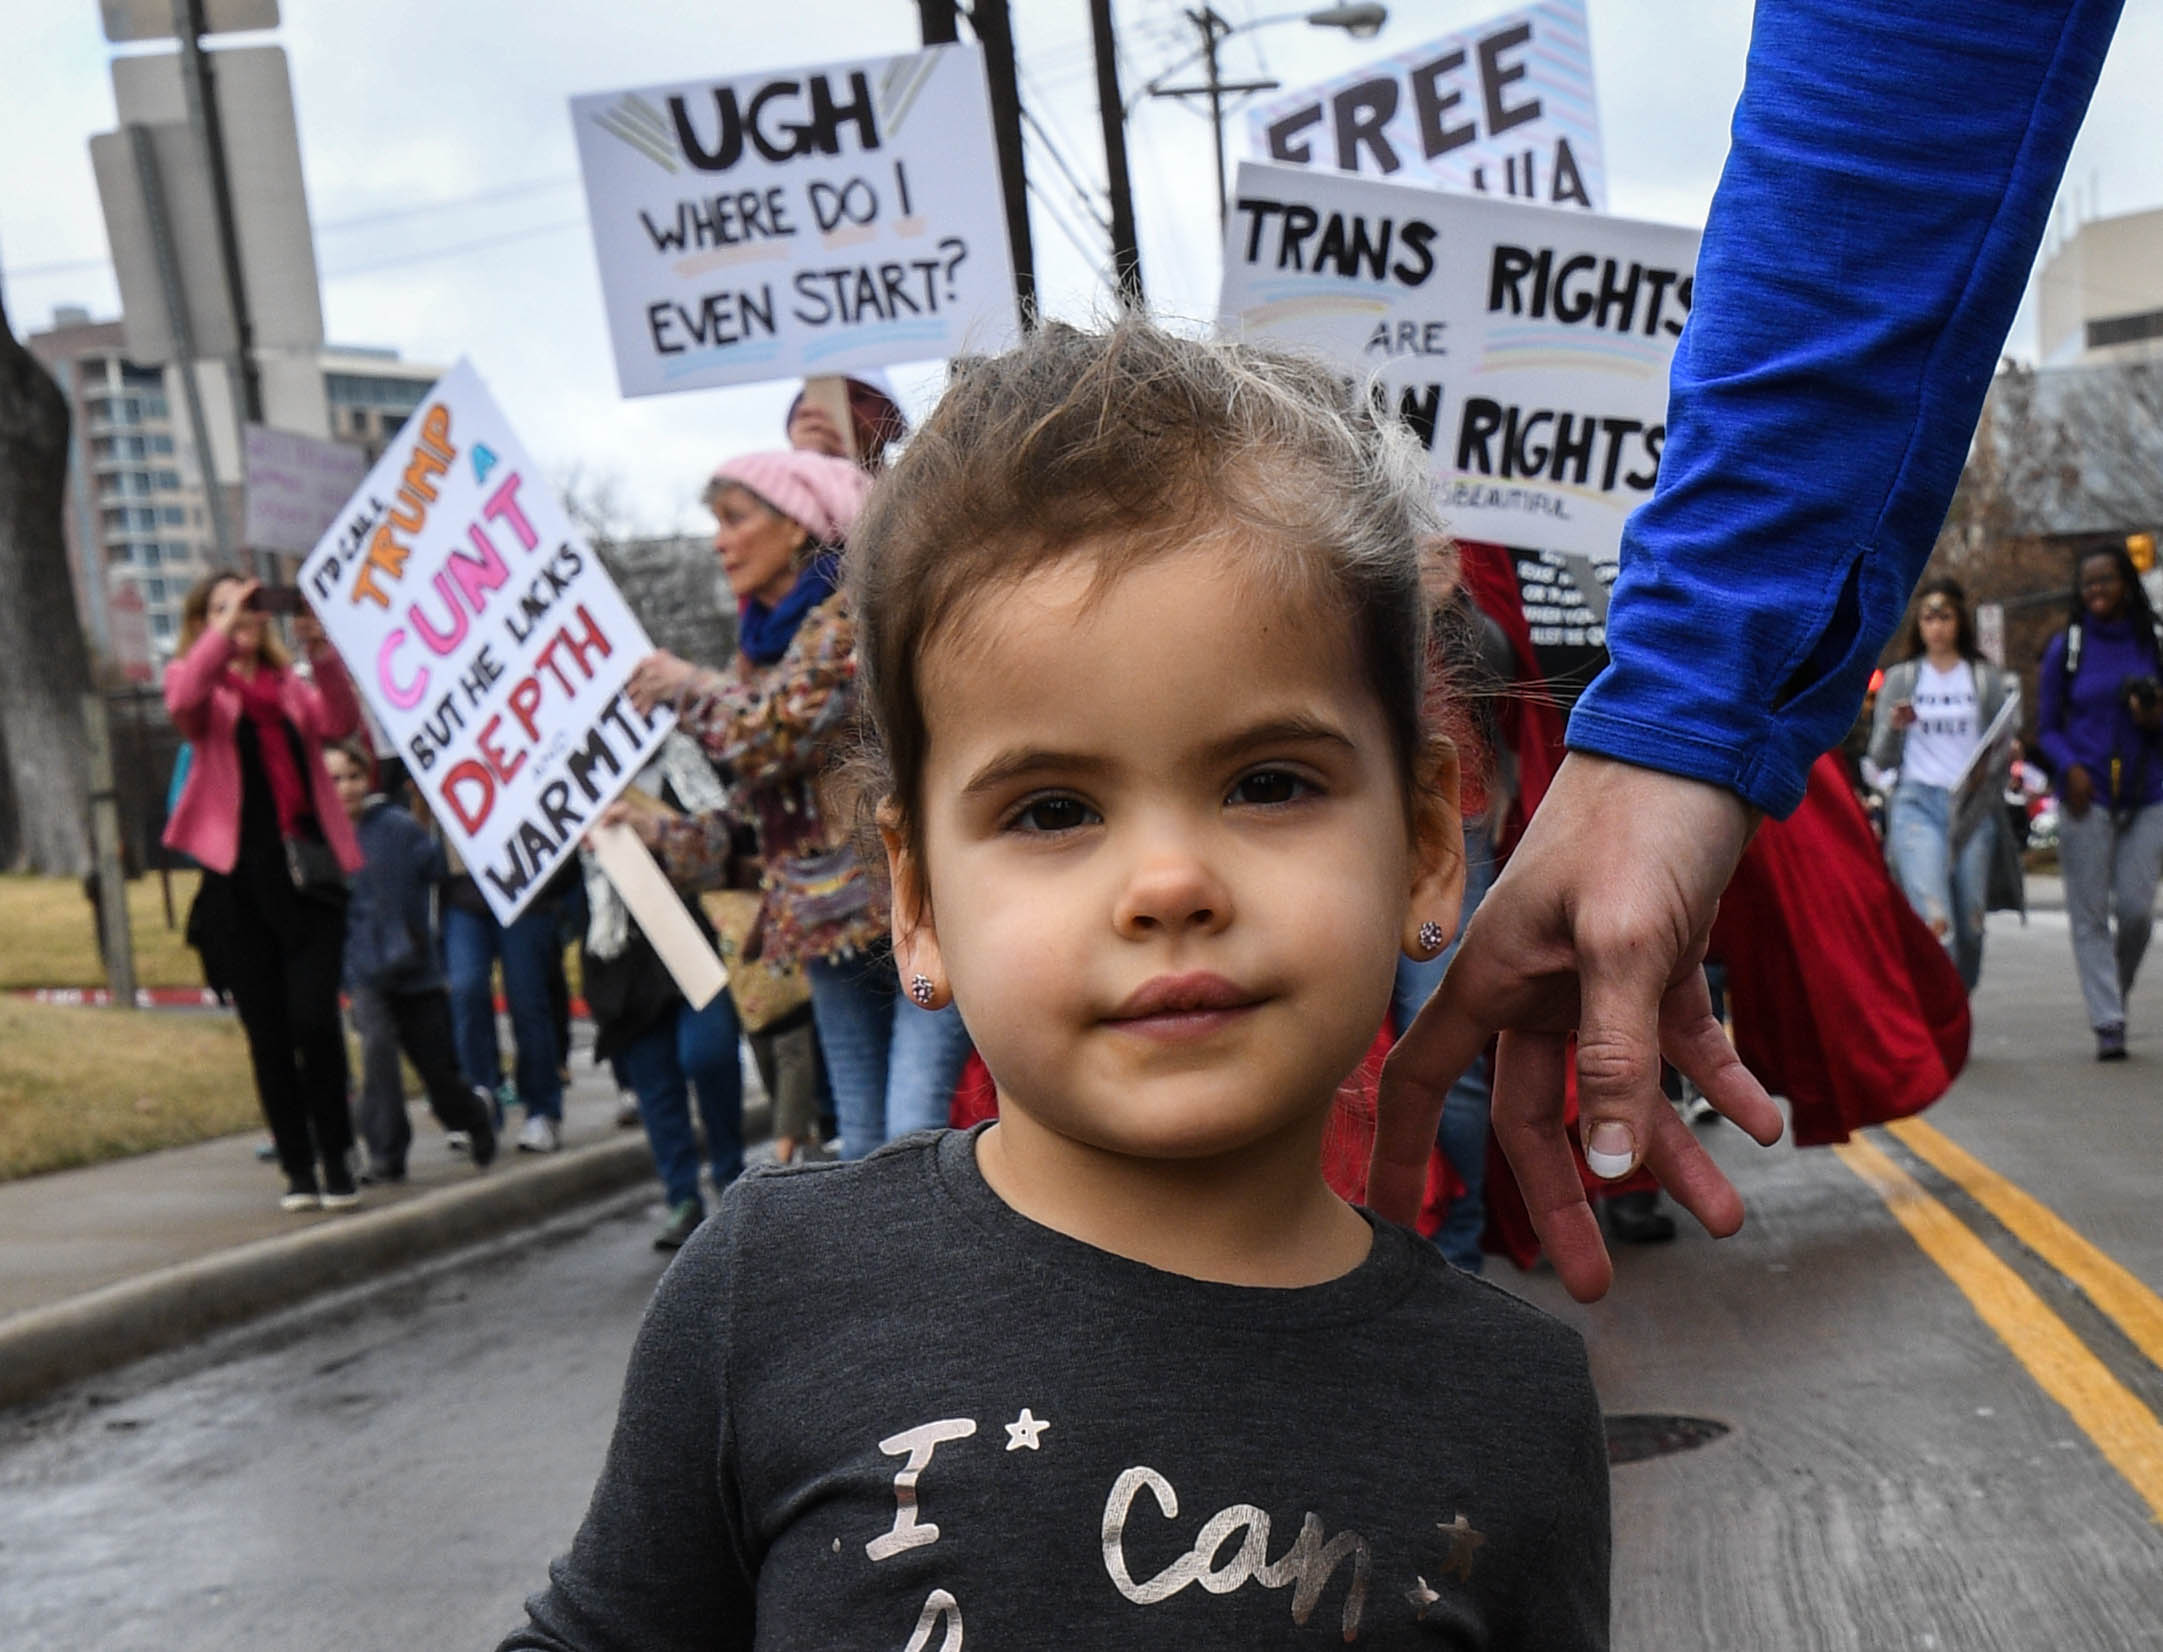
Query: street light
[1361, 22]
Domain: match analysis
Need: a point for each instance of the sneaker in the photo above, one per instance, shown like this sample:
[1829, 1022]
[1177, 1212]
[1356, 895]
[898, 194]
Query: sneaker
[266, 1151]
[1695, 1108]
[381, 1174]
[627, 1113]
[683, 1221]
[457, 1141]
[1637, 1219]
[542, 1134]
[339, 1191]
[481, 1140]
[2110, 1042]
[298, 1198]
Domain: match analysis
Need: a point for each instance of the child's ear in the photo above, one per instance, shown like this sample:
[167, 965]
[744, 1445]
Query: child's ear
[1438, 855]
[916, 936]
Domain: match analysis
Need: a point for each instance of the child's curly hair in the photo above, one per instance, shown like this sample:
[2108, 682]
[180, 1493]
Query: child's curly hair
[1136, 441]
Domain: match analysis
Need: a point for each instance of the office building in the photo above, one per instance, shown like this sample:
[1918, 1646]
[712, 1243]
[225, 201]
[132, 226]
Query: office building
[2099, 292]
[136, 511]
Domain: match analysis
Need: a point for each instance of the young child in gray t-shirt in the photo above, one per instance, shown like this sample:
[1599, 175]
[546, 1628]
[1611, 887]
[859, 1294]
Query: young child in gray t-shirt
[1142, 635]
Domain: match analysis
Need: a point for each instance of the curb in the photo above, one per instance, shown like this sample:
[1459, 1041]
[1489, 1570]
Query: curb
[47, 1348]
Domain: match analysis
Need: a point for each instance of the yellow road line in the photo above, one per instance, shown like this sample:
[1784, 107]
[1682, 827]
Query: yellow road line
[2132, 1306]
[2123, 1429]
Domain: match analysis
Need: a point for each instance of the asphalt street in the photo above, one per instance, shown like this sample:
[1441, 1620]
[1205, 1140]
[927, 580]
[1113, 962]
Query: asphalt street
[1930, 1370]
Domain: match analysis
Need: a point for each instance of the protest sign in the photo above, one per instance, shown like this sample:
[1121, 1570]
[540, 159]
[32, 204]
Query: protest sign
[1976, 793]
[487, 639]
[295, 486]
[808, 221]
[1527, 347]
[1503, 109]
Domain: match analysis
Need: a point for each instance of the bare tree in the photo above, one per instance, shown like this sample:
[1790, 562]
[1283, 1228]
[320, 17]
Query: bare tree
[44, 662]
[594, 502]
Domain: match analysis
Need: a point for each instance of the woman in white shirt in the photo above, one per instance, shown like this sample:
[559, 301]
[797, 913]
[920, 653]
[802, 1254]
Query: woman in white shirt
[1932, 713]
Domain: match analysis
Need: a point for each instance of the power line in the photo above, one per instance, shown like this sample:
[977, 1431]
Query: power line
[62, 266]
[1091, 256]
[507, 192]
[451, 251]
[1086, 195]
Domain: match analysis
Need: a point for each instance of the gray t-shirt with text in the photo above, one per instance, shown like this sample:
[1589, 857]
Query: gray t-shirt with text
[872, 1406]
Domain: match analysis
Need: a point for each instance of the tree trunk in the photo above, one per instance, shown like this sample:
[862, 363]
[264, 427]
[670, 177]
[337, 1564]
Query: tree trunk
[44, 663]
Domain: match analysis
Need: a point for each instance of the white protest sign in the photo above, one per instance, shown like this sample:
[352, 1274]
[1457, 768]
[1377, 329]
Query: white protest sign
[296, 485]
[803, 222]
[1528, 347]
[1503, 109]
[487, 639]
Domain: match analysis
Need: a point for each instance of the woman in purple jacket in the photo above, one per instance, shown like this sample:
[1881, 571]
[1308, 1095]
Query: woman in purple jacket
[2099, 717]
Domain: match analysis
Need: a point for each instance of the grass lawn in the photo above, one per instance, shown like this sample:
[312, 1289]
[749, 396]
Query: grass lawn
[81, 1085]
[49, 936]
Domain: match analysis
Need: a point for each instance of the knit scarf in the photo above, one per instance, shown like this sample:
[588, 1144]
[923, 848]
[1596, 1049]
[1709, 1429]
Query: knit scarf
[262, 701]
[764, 633]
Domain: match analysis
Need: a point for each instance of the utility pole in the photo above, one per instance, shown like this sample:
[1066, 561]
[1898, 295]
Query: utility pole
[199, 87]
[1214, 30]
[183, 335]
[995, 28]
[940, 21]
[1126, 250]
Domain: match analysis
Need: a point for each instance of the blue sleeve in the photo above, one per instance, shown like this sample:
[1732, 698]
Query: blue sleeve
[2050, 708]
[1892, 170]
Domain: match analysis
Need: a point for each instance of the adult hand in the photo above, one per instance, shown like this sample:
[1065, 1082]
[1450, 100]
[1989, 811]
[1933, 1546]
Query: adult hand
[641, 821]
[2078, 791]
[660, 679]
[1904, 714]
[240, 609]
[1597, 928]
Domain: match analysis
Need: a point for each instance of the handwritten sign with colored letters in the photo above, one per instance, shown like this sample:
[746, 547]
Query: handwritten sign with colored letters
[806, 222]
[487, 639]
[1527, 347]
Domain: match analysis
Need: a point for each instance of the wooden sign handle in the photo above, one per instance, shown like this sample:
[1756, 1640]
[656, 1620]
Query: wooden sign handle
[653, 901]
[829, 393]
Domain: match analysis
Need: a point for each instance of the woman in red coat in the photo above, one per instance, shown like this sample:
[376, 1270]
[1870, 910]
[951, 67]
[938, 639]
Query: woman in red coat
[260, 815]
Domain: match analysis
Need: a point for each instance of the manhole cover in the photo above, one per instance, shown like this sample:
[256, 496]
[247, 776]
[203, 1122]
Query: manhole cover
[1634, 1436]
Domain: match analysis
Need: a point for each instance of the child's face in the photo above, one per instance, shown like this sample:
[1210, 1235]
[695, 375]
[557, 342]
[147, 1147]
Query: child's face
[351, 781]
[1169, 873]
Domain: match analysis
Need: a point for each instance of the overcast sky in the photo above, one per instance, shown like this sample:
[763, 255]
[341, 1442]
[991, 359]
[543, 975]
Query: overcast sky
[442, 179]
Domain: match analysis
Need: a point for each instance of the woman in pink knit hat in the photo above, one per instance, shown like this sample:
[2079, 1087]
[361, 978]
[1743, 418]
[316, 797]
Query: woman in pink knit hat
[775, 720]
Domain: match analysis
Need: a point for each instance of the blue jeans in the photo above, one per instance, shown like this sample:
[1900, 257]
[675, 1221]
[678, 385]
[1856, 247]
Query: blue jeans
[693, 1051]
[893, 1067]
[1462, 1135]
[1918, 843]
[472, 942]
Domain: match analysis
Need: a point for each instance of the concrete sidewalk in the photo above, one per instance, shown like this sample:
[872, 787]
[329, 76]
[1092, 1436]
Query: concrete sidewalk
[135, 1256]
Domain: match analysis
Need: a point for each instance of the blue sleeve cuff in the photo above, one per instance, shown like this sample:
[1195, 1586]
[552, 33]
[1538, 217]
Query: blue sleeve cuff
[1777, 789]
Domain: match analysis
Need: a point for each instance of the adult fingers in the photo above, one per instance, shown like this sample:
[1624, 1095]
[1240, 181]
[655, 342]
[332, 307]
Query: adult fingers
[1527, 1124]
[1697, 1046]
[1678, 1160]
[1618, 1052]
[1445, 1038]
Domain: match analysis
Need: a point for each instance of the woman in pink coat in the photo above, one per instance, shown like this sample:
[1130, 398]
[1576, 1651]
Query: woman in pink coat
[261, 817]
